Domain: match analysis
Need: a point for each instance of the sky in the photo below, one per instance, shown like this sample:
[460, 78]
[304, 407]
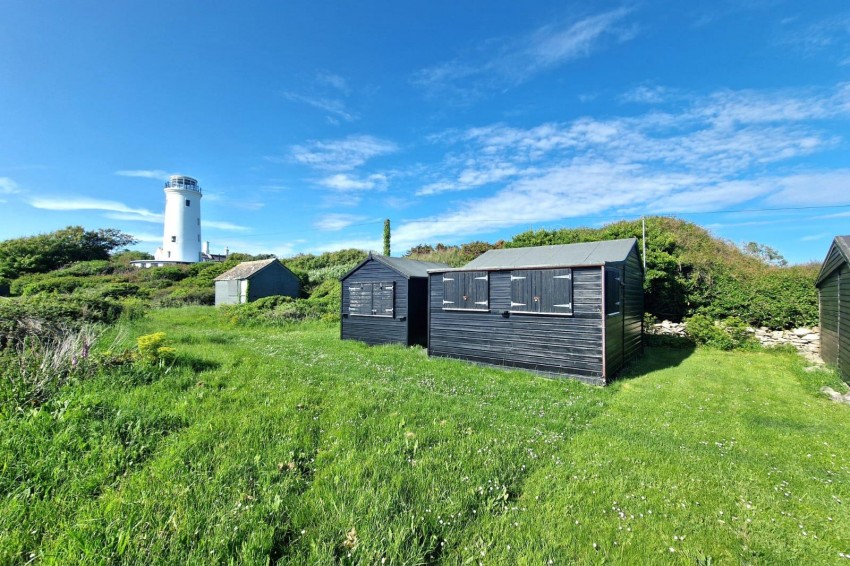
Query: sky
[309, 123]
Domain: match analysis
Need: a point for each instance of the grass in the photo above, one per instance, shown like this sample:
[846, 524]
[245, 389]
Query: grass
[261, 445]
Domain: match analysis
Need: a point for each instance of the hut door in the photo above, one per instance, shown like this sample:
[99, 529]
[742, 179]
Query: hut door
[243, 290]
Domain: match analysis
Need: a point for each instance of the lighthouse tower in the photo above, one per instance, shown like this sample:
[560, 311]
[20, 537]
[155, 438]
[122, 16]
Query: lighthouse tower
[181, 237]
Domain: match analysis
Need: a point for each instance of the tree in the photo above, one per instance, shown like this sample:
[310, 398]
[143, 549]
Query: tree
[387, 237]
[46, 252]
[765, 253]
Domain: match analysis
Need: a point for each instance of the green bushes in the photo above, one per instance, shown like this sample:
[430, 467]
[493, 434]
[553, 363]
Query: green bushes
[729, 334]
[279, 310]
[688, 271]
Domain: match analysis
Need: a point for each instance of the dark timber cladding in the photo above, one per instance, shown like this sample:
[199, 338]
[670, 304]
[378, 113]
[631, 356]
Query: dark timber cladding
[385, 299]
[833, 285]
[572, 310]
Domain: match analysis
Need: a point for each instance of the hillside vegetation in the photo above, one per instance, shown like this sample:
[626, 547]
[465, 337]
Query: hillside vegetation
[688, 271]
[256, 445]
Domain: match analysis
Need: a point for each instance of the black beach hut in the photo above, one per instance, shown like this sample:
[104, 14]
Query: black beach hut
[568, 310]
[385, 299]
[833, 285]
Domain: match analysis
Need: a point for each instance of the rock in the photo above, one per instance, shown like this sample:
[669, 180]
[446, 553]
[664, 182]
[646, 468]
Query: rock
[802, 331]
[832, 393]
[811, 337]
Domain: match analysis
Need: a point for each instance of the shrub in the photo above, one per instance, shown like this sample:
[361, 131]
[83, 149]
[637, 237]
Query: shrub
[92, 267]
[153, 350]
[53, 285]
[730, 334]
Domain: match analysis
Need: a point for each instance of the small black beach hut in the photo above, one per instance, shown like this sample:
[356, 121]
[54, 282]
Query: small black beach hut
[833, 285]
[385, 299]
[569, 310]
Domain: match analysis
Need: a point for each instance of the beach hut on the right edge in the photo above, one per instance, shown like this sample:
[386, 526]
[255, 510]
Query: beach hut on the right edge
[833, 285]
[573, 310]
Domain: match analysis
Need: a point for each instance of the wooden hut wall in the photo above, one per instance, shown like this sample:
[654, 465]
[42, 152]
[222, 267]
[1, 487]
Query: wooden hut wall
[565, 345]
[273, 280]
[376, 329]
[613, 304]
[844, 322]
[633, 311]
[624, 330]
[829, 308]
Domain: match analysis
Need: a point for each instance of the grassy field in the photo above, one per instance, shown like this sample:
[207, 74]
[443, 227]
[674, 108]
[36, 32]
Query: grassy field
[288, 445]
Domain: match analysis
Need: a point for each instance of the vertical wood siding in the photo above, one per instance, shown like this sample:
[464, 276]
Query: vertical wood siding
[844, 323]
[829, 305]
[563, 345]
[377, 330]
[633, 309]
[614, 331]
[273, 280]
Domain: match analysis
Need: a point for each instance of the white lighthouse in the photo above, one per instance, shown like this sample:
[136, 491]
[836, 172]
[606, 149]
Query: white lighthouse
[181, 237]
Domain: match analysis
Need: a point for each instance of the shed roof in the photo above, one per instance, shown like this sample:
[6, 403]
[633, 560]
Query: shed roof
[407, 267]
[246, 269]
[840, 244]
[563, 255]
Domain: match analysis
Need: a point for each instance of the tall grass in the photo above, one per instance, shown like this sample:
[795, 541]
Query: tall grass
[286, 445]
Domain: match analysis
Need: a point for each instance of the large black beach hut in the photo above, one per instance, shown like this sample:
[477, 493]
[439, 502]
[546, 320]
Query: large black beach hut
[385, 299]
[573, 310]
[833, 285]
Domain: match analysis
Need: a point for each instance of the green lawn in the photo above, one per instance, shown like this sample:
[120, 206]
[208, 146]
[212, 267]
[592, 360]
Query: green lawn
[267, 444]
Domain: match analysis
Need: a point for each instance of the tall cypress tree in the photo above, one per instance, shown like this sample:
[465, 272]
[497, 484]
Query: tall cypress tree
[387, 237]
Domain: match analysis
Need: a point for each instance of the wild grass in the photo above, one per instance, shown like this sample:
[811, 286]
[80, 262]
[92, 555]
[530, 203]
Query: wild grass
[284, 444]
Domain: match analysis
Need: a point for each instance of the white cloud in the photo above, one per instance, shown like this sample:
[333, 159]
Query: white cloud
[714, 152]
[523, 57]
[145, 173]
[334, 222]
[815, 237]
[147, 237]
[645, 95]
[333, 80]
[8, 186]
[344, 154]
[333, 106]
[345, 182]
[84, 203]
[812, 189]
[223, 225]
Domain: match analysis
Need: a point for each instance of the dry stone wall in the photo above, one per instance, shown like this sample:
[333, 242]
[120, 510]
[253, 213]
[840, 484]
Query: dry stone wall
[805, 340]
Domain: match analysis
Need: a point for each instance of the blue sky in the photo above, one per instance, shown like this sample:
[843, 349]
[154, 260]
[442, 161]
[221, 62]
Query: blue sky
[308, 123]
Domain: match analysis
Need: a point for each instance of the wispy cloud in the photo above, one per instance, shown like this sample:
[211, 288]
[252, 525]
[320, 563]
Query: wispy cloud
[118, 210]
[335, 222]
[706, 153]
[332, 106]
[223, 226]
[342, 155]
[521, 58]
[345, 182]
[145, 173]
[646, 94]
[815, 237]
[333, 80]
[8, 186]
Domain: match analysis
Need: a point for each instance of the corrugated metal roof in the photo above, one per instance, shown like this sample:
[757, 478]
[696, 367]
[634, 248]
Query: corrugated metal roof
[564, 255]
[245, 270]
[407, 267]
[410, 267]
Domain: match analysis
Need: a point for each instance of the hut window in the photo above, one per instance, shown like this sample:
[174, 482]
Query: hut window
[613, 292]
[466, 290]
[542, 291]
[371, 299]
